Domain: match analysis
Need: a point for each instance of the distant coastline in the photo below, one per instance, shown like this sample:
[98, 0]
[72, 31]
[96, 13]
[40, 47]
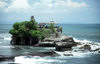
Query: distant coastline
[59, 23]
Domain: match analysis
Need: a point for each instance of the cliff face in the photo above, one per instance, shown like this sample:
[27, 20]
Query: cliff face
[24, 41]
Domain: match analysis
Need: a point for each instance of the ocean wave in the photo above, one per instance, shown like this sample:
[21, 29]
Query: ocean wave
[5, 36]
[47, 60]
[84, 40]
[33, 60]
[77, 52]
[73, 54]
[94, 45]
[6, 46]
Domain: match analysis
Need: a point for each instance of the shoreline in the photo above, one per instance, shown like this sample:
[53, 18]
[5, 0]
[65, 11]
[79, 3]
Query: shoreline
[93, 48]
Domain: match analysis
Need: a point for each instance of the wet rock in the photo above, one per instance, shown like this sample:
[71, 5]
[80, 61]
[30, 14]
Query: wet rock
[46, 45]
[16, 40]
[63, 46]
[43, 54]
[97, 49]
[6, 58]
[76, 43]
[48, 40]
[68, 54]
[86, 47]
[67, 40]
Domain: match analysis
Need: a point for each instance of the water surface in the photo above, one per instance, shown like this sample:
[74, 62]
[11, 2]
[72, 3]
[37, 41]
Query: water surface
[80, 32]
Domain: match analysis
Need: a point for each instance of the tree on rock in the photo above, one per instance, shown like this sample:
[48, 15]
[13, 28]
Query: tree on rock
[24, 30]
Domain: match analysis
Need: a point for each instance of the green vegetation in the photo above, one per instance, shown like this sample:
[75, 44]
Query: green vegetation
[35, 34]
[45, 32]
[52, 27]
[29, 29]
[13, 32]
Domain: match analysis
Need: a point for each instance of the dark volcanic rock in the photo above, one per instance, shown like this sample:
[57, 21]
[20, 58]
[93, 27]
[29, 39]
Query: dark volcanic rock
[76, 43]
[68, 54]
[67, 40]
[24, 41]
[98, 51]
[46, 45]
[64, 46]
[86, 47]
[42, 54]
[6, 58]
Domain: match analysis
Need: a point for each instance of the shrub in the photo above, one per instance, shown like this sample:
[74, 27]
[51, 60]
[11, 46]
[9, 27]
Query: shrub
[35, 34]
[30, 29]
[22, 30]
[45, 32]
[16, 25]
[52, 27]
[33, 25]
[13, 32]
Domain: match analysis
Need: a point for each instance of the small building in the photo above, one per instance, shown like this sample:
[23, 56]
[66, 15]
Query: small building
[32, 18]
[42, 24]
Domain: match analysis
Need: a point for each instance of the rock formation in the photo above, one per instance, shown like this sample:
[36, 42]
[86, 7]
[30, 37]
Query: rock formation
[42, 34]
[86, 47]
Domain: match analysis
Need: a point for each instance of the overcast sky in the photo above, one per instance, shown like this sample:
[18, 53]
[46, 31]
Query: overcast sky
[61, 11]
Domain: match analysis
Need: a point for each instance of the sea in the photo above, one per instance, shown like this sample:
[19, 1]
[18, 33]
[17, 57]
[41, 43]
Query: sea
[87, 33]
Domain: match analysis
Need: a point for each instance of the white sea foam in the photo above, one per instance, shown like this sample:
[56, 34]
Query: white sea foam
[76, 52]
[73, 54]
[85, 40]
[94, 45]
[7, 38]
[49, 48]
[33, 60]
[79, 53]
[6, 46]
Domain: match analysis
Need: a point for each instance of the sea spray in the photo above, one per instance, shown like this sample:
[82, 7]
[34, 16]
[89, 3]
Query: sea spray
[34, 60]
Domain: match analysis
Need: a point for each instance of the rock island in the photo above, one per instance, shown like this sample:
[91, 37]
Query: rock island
[40, 34]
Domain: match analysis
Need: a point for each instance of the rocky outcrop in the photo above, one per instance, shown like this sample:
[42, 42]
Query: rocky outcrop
[46, 44]
[64, 46]
[23, 41]
[67, 40]
[96, 49]
[99, 51]
[61, 44]
[86, 47]
[6, 58]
